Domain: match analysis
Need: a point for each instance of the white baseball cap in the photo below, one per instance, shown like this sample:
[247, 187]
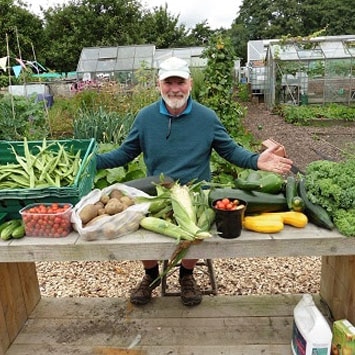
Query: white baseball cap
[174, 67]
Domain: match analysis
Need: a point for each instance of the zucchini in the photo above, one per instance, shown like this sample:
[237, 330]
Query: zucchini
[257, 201]
[315, 213]
[290, 190]
[263, 181]
[297, 204]
[294, 202]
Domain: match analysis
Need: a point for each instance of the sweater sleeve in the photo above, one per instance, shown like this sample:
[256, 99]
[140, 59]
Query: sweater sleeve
[122, 155]
[230, 150]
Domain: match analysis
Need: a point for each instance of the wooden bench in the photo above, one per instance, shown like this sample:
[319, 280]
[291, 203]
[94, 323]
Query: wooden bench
[22, 308]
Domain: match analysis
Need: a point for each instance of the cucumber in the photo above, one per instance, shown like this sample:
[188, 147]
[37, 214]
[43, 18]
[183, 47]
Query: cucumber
[148, 183]
[6, 233]
[5, 224]
[257, 201]
[18, 232]
[315, 213]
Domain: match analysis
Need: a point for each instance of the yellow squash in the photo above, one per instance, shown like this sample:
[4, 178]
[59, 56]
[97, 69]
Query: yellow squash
[263, 224]
[292, 218]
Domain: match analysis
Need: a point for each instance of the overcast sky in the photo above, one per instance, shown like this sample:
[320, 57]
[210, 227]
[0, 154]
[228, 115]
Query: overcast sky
[220, 13]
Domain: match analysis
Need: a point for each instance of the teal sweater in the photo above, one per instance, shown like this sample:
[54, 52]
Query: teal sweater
[178, 146]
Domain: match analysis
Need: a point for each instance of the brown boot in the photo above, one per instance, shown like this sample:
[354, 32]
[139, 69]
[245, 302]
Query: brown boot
[190, 292]
[142, 294]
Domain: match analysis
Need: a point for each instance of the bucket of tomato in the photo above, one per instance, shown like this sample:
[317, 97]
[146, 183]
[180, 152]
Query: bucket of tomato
[47, 219]
[229, 216]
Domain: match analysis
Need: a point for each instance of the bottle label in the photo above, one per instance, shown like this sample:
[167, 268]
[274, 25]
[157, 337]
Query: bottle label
[299, 344]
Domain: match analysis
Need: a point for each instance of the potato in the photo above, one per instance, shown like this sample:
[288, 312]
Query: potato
[101, 211]
[95, 220]
[113, 206]
[88, 212]
[99, 204]
[104, 199]
[116, 194]
[126, 200]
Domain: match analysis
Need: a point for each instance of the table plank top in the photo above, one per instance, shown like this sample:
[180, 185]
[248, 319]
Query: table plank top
[146, 245]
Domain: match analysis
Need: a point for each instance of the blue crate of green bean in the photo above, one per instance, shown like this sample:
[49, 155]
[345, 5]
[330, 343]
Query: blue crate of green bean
[45, 171]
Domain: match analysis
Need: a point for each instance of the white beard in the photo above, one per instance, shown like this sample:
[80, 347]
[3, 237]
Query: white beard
[176, 102]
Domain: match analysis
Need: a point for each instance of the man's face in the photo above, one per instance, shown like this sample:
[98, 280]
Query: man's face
[175, 91]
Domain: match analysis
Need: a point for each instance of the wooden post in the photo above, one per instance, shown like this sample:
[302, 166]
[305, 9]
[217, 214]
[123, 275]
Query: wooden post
[19, 294]
[337, 286]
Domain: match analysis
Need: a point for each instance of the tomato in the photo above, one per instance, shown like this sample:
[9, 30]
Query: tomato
[48, 220]
[227, 204]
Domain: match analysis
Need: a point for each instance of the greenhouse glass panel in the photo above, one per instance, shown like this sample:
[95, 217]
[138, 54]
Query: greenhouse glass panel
[124, 64]
[350, 47]
[334, 49]
[284, 52]
[106, 65]
[87, 66]
[144, 51]
[126, 52]
[140, 62]
[90, 53]
[108, 52]
[310, 53]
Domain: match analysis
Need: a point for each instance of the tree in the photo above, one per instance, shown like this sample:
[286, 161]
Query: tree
[161, 29]
[24, 31]
[89, 23]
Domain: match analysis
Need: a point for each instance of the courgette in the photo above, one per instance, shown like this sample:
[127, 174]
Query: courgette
[294, 202]
[263, 181]
[257, 201]
[297, 204]
[290, 190]
[315, 213]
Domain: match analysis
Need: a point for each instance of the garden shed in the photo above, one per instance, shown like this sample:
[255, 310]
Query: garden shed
[317, 70]
[120, 63]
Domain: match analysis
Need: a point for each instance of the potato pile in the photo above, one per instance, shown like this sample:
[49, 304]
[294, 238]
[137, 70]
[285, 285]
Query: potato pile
[108, 205]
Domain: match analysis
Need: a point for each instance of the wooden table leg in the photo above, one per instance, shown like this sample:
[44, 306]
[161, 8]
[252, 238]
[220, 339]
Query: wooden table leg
[19, 294]
[337, 286]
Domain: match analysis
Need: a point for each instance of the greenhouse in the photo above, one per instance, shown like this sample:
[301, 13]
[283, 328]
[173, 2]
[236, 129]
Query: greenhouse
[317, 70]
[121, 63]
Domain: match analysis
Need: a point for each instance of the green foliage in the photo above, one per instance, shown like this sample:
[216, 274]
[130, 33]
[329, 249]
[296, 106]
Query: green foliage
[331, 185]
[198, 82]
[22, 117]
[104, 126]
[218, 94]
[134, 170]
[304, 115]
[21, 27]
[243, 94]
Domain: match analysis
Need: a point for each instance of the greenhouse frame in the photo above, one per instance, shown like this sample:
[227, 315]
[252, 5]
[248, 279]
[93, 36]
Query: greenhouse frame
[303, 71]
[122, 63]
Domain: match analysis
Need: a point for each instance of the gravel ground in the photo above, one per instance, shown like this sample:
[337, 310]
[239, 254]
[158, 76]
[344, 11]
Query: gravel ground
[233, 276]
[243, 276]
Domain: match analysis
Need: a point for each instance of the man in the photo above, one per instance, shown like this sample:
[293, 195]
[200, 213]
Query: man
[176, 136]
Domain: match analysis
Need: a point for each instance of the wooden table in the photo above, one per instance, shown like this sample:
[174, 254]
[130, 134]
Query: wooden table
[19, 289]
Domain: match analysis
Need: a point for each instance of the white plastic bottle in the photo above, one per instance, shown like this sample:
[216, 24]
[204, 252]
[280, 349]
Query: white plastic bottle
[311, 332]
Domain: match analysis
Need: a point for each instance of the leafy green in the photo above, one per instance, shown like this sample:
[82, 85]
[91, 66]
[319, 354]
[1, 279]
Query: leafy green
[332, 185]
